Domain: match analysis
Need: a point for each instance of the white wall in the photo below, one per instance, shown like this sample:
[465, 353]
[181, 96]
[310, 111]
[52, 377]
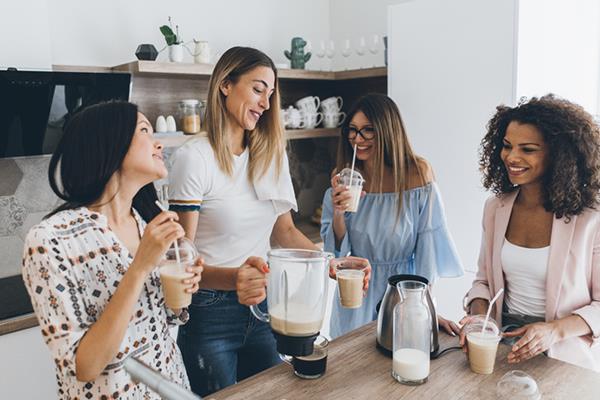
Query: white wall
[26, 368]
[24, 39]
[559, 42]
[108, 32]
[451, 63]
[351, 19]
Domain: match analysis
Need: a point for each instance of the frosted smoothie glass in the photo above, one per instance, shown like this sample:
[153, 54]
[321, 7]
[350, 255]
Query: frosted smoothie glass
[350, 276]
[482, 345]
[173, 273]
[354, 181]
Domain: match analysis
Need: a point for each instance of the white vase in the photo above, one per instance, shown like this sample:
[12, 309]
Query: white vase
[176, 53]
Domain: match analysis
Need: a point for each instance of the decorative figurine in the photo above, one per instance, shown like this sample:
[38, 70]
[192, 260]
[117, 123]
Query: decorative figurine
[146, 52]
[297, 56]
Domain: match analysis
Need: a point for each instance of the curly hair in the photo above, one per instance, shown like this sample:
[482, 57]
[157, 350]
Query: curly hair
[571, 181]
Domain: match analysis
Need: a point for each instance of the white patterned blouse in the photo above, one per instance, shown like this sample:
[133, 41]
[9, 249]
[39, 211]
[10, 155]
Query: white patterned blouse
[72, 265]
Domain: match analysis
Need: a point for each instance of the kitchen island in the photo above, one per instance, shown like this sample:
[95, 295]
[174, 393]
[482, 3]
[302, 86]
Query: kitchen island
[357, 370]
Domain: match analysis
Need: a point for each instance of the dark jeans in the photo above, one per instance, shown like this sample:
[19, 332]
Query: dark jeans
[510, 322]
[223, 343]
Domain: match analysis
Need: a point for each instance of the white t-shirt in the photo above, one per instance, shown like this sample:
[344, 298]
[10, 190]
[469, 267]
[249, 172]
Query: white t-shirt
[233, 223]
[525, 274]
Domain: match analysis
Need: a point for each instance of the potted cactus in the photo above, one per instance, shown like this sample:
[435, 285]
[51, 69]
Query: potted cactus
[174, 42]
[297, 56]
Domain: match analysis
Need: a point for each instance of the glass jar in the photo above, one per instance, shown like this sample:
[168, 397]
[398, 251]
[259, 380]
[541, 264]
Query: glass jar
[189, 115]
[412, 334]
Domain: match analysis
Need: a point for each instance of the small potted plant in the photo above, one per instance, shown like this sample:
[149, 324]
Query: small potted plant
[174, 42]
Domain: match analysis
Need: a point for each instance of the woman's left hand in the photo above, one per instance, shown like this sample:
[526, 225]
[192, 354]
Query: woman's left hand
[194, 281]
[536, 338]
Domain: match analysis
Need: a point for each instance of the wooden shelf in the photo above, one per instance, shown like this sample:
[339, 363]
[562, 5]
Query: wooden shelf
[374, 72]
[173, 140]
[292, 134]
[18, 323]
[205, 70]
[165, 68]
[80, 68]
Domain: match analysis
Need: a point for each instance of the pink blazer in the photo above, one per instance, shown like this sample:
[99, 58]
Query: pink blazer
[572, 281]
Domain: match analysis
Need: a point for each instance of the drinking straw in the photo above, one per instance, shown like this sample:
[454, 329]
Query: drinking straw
[489, 310]
[177, 257]
[352, 168]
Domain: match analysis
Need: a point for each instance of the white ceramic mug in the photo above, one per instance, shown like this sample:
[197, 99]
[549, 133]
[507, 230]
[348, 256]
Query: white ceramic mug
[283, 115]
[309, 103]
[201, 52]
[332, 104]
[311, 119]
[294, 118]
[333, 120]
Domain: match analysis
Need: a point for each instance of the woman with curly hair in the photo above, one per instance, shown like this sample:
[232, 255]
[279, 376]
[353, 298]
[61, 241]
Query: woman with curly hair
[541, 230]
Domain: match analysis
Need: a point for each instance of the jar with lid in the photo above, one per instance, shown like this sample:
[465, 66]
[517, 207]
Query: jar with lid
[189, 114]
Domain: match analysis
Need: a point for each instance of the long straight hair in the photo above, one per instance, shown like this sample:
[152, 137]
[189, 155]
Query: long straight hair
[392, 148]
[92, 148]
[265, 142]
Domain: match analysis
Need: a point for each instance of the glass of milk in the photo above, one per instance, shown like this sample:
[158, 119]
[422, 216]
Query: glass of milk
[412, 334]
[354, 181]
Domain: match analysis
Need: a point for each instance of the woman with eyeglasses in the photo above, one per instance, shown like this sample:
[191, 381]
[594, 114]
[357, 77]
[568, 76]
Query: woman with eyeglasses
[400, 225]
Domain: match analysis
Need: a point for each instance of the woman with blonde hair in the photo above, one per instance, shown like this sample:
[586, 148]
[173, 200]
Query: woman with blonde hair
[232, 189]
[400, 224]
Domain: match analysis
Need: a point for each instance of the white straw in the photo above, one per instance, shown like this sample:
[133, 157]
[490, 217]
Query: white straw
[177, 257]
[489, 310]
[353, 160]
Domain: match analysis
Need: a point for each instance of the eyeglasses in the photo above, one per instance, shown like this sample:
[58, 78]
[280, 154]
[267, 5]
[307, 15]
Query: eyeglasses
[367, 133]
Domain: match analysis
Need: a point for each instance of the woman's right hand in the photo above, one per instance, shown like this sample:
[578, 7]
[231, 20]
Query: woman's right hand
[462, 335]
[251, 281]
[159, 234]
[340, 195]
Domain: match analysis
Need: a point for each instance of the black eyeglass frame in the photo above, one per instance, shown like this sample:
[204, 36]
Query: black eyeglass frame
[361, 132]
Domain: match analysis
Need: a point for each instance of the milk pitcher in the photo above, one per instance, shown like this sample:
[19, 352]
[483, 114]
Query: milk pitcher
[201, 52]
[412, 334]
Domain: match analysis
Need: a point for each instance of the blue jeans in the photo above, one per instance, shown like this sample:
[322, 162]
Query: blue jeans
[223, 342]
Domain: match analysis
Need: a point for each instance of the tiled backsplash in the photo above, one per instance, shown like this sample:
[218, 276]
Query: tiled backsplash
[25, 195]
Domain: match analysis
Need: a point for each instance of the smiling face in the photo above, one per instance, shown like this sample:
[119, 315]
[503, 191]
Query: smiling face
[524, 153]
[364, 147]
[248, 98]
[144, 160]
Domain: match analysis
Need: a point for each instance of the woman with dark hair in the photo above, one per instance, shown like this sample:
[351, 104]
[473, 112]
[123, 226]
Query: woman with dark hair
[89, 267]
[400, 225]
[541, 230]
[232, 189]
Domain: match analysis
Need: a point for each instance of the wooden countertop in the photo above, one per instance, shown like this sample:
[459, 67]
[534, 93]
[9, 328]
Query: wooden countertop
[357, 370]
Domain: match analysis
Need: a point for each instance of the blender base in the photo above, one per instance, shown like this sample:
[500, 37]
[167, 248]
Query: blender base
[295, 345]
